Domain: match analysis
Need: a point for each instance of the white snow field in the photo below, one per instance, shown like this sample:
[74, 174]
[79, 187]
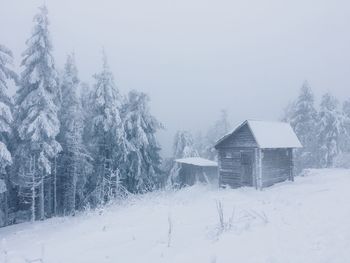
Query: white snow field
[305, 221]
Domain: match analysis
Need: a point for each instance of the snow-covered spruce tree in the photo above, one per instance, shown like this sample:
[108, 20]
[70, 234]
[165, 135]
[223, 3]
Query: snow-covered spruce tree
[303, 119]
[199, 143]
[6, 119]
[74, 155]
[36, 120]
[287, 112]
[183, 148]
[219, 129]
[143, 163]
[184, 145]
[346, 137]
[330, 130]
[107, 136]
[343, 159]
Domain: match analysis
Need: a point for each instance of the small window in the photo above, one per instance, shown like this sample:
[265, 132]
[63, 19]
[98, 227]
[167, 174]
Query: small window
[228, 154]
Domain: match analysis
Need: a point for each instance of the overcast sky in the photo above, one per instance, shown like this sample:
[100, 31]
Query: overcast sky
[195, 57]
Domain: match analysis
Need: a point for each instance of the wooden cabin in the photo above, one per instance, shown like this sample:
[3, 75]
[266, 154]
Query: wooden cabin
[258, 154]
[3, 203]
[196, 169]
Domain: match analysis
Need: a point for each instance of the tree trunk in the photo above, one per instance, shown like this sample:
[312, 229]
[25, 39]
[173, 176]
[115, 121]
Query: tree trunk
[33, 170]
[55, 187]
[42, 198]
[74, 189]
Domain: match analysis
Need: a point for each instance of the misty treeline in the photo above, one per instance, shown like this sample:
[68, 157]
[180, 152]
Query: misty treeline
[323, 129]
[66, 145]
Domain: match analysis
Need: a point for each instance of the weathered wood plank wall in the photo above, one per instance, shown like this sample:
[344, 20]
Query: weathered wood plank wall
[242, 138]
[276, 166]
[230, 167]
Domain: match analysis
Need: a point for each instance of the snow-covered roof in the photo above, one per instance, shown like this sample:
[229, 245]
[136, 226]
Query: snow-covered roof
[268, 134]
[2, 186]
[197, 161]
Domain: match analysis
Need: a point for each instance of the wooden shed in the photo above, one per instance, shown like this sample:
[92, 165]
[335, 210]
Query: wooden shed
[257, 153]
[196, 169]
[3, 203]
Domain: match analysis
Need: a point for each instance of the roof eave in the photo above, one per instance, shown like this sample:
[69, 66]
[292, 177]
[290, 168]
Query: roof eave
[230, 134]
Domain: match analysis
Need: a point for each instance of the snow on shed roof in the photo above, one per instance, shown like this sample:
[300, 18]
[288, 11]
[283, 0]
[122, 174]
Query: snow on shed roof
[197, 161]
[2, 186]
[268, 134]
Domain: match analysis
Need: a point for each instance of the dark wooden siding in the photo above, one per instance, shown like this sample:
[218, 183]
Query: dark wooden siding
[230, 168]
[242, 138]
[3, 206]
[276, 166]
[190, 174]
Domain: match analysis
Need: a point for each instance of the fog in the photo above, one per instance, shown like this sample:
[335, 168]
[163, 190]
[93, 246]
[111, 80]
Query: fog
[196, 57]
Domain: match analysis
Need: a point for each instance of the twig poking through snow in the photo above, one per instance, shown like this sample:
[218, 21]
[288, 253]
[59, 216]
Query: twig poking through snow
[220, 210]
[170, 229]
[224, 226]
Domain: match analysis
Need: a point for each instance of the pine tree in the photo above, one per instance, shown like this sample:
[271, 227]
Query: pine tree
[37, 124]
[183, 148]
[288, 111]
[143, 166]
[184, 145]
[346, 136]
[330, 129]
[6, 119]
[107, 135]
[303, 119]
[219, 129]
[74, 154]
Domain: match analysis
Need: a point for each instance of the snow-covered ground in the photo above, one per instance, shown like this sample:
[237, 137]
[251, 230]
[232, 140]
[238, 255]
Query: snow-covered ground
[305, 221]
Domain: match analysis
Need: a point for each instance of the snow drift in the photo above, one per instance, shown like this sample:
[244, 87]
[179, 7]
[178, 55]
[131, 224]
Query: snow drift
[304, 221]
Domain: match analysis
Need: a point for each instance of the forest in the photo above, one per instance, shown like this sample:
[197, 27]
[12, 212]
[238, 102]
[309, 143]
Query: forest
[67, 145]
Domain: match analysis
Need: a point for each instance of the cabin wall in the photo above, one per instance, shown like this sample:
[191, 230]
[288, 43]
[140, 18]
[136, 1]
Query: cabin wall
[230, 167]
[190, 174]
[277, 166]
[3, 209]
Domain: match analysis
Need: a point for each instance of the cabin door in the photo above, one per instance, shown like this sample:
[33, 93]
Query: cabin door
[247, 168]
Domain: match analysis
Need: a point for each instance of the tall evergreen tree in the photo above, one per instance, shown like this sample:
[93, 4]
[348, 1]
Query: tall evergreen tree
[6, 119]
[184, 147]
[345, 145]
[303, 119]
[107, 134]
[330, 129]
[220, 128]
[74, 155]
[143, 167]
[37, 102]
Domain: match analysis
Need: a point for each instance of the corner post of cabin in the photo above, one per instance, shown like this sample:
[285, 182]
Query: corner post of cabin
[256, 167]
[219, 168]
[291, 177]
[259, 155]
[260, 186]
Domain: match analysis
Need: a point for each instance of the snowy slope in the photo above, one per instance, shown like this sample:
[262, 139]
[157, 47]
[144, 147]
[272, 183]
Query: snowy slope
[305, 221]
